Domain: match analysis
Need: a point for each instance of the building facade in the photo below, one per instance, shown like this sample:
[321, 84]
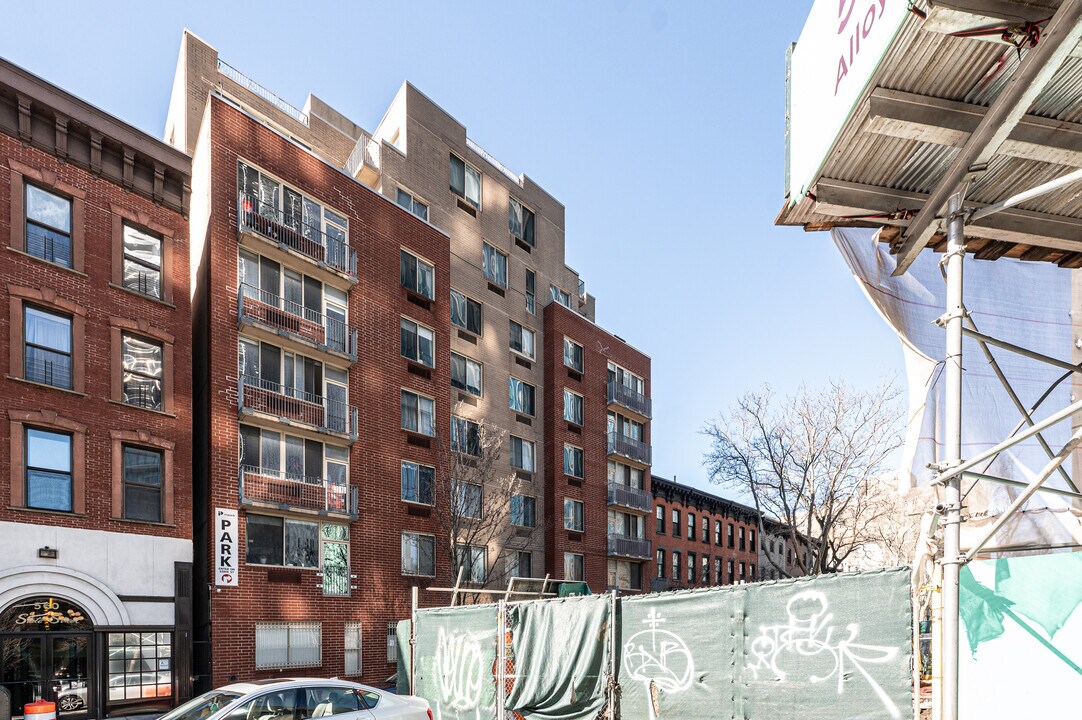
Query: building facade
[95, 510]
[701, 539]
[780, 554]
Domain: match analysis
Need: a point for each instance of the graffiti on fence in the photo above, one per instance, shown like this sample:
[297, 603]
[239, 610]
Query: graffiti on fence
[459, 665]
[659, 659]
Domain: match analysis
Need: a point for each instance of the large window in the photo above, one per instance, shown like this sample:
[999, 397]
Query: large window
[520, 221]
[573, 461]
[418, 413]
[473, 559]
[48, 346]
[522, 454]
[282, 541]
[573, 355]
[520, 396]
[142, 474]
[520, 564]
[573, 515]
[142, 262]
[466, 374]
[466, 312]
[48, 470]
[465, 436]
[286, 645]
[494, 265]
[626, 475]
[313, 225]
[574, 567]
[140, 665]
[335, 547]
[417, 275]
[522, 339]
[418, 343]
[48, 226]
[466, 181]
[418, 483]
[142, 372]
[522, 510]
[418, 554]
[412, 204]
[572, 407]
[468, 500]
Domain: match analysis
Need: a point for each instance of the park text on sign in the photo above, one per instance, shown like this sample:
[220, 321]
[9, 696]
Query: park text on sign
[225, 547]
[841, 45]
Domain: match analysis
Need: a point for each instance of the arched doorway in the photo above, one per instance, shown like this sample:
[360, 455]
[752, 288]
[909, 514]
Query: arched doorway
[46, 644]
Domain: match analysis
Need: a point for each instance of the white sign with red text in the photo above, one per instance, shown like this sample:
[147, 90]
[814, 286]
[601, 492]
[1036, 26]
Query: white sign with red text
[225, 547]
[839, 48]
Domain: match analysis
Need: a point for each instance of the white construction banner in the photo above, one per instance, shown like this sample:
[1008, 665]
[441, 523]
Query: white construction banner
[225, 547]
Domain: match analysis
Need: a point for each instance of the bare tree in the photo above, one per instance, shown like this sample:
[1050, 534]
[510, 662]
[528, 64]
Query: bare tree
[810, 461]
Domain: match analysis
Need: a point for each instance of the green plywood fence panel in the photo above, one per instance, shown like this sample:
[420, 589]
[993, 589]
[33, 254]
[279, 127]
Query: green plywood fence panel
[456, 652]
[402, 643]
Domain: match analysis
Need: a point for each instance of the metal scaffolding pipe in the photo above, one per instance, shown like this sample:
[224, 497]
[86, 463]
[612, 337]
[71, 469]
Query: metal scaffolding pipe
[1019, 350]
[1025, 195]
[976, 477]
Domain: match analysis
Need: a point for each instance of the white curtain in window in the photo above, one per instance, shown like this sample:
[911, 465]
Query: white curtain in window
[473, 185]
[48, 330]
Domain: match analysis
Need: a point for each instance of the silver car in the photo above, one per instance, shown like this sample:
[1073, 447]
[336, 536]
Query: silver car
[300, 699]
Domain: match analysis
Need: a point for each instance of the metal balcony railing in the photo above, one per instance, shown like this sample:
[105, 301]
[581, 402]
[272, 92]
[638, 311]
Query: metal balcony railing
[264, 219]
[296, 406]
[262, 485]
[628, 447]
[292, 318]
[621, 545]
[365, 152]
[633, 400]
[629, 497]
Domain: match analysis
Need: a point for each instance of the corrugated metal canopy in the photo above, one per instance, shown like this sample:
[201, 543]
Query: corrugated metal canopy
[922, 103]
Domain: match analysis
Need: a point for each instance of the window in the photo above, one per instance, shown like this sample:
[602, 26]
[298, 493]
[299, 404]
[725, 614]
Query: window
[706, 530]
[142, 262]
[468, 500]
[717, 571]
[473, 559]
[573, 461]
[418, 554]
[572, 407]
[142, 477]
[494, 265]
[573, 355]
[520, 396]
[48, 470]
[392, 643]
[412, 204]
[751, 571]
[706, 569]
[573, 515]
[522, 510]
[574, 567]
[129, 653]
[142, 372]
[522, 340]
[352, 647]
[465, 436]
[521, 564]
[466, 374]
[659, 560]
[335, 565]
[48, 346]
[659, 512]
[675, 522]
[522, 454]
[729, 572]
[742, 539]
[691, 567]
[417, 275]
[691, 526]
[531, 289]
[730, 535]
[418, 343]
[465, 312]
[676, 565]
[626, 475]
[520, 222]
[286, 645]
[466, 181]
[559, 296]
[743, 576]
[717, 533]
[48, 226]
[282, 541]
[418, 413]
[418, 483]
[751, 541]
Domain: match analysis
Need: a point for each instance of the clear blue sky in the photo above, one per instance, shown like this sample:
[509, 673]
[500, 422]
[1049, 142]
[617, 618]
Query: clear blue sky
[660, 126]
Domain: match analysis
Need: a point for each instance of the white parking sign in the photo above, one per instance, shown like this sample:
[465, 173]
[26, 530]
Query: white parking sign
[225, 547]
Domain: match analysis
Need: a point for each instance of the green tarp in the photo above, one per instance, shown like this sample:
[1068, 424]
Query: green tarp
[456, 652]
[402, 643]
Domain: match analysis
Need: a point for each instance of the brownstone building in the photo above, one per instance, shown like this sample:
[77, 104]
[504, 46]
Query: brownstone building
[701, 539]
[95, 451]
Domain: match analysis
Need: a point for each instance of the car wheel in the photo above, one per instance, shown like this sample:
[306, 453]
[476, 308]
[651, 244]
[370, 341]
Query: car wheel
[70, 702]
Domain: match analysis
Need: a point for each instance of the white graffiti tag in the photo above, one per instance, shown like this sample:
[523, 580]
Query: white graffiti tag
[810, 647]
[659, 659]
[460, 669]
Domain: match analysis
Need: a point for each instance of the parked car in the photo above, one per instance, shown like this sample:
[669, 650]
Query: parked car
[301, 699]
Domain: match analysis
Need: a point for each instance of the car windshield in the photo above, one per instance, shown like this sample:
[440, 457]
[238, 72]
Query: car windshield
[203, 706]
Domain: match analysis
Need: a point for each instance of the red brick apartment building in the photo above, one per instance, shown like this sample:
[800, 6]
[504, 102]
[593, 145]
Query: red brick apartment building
[701, 539]
[95, 399]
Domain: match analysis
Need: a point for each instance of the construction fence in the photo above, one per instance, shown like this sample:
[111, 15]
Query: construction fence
[837, 646]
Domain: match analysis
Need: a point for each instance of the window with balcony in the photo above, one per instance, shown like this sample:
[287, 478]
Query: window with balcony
[659, 561]
[418, 413]
[522, 454]
[468, 500]
[520, 564]
[142, 262]
[418, 483]
[473, 559]
[676, 565]
[520, 221]
[290, 385]
[573, 355]
[48, 225]
[626, 427]
[573, 461]
[626, 378]
[520, 396]
[626, 475]
[494, 265]
[418, 343]
[574, 567]
[466, 313]
[522, 340]
[143, 496]
[572, 407]
[627, 524]
[465, 436]
[141, 367]
[47, 351]
[559, 296]
[531, 290]
[411, 203]
[573, 515]
[48, 469]
[466, 181]
[416, 275]
[465, 374]
[659, 513]
[418, 554]
[522, 511]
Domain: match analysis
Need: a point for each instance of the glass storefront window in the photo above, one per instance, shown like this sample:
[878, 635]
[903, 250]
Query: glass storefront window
[140, 665]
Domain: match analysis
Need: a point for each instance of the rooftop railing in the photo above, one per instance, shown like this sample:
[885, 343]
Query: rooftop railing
[295, 320]
[494, 162]
[268, 221]
[252, 86]
[288, 491]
